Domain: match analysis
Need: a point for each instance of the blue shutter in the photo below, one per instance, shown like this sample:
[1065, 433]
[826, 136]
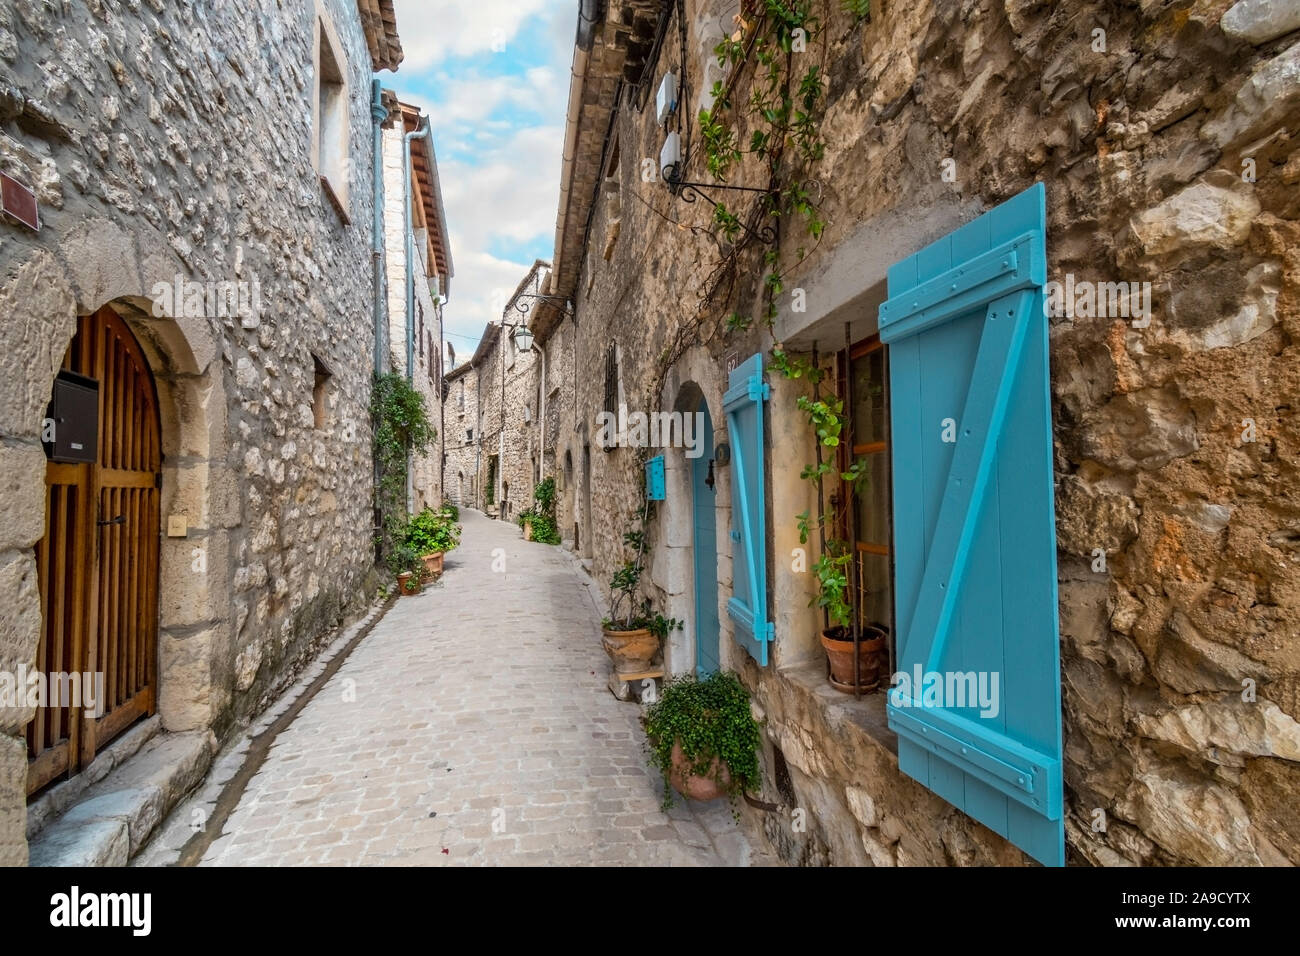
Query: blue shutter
[974, 524]
[747, 607]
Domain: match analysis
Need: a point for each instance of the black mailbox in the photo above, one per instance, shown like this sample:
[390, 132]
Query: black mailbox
[72, 420]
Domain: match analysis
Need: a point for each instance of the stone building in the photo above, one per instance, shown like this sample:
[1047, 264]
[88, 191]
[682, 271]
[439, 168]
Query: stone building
[201, 288]
[429, 282]
[1144, 143]
[460, 435]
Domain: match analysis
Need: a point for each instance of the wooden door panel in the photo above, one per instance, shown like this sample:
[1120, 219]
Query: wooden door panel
[98, 560]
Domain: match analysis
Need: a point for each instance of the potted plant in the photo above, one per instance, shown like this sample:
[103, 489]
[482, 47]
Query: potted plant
[703, 737]
[431, 534]
[633, 631]
[538, 521]
[831, 570]
[405, 562]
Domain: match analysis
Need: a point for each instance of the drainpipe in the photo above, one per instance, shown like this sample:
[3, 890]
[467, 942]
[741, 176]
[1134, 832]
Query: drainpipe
[421, 133]
[442, 408]
[378, 114]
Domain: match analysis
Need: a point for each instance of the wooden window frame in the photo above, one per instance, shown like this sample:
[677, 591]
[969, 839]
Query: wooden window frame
[844, 368]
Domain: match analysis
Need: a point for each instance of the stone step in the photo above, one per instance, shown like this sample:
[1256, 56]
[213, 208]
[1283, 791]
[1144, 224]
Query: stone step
[114, 818]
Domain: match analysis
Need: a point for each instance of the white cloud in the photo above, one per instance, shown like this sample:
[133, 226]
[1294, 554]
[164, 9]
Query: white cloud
[433, 30]
[498, 130]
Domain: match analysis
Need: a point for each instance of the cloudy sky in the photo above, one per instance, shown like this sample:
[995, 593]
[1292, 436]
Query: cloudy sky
[493, 76]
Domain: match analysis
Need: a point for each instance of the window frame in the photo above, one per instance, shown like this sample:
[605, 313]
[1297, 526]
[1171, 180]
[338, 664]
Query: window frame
[331, 114]
[850, 451]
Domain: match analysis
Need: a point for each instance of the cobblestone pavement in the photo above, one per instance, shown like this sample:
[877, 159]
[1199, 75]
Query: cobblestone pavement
[473, 726]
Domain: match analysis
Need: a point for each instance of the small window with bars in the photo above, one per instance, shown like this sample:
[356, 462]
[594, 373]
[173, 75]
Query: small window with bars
[611, 380]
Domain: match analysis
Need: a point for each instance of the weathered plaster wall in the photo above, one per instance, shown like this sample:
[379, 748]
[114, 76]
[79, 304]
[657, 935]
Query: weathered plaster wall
[177, 139]
[1142, 146]
[426, 476]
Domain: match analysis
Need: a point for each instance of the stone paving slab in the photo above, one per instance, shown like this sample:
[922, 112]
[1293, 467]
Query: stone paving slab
[473, 726]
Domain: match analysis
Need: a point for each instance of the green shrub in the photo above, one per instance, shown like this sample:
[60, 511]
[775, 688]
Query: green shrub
[451, 511]
[542, 514]
[431, 532]
[709, 718]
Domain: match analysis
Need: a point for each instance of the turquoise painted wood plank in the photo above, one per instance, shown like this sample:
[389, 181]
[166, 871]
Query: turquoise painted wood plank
[747, 608]
[1003, 617]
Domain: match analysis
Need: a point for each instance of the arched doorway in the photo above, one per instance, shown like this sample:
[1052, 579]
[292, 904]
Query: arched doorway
[704, 526]
[98, 560]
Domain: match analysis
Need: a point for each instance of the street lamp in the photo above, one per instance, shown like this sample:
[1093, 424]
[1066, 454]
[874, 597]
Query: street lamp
[523, 337]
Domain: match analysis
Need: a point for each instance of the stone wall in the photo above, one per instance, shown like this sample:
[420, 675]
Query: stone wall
[169, 140]
[508, 408]
[560, 425]
[1164, 144]
[461, 415]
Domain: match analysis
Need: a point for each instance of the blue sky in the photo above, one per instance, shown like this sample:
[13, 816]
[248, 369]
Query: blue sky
[493, 76]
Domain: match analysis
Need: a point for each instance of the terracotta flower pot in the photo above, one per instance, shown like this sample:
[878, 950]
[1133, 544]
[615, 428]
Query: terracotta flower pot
[708, 786]
[432, 564]
[403, 585]
[631, 651]
[871, 658]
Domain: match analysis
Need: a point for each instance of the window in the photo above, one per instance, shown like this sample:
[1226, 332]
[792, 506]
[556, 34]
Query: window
[613, 202]
[611, 380]
[420, 327]
[460, 397]
[319, 404]
[871, 497]
[511, 349]
[330, 116]
[469, 434]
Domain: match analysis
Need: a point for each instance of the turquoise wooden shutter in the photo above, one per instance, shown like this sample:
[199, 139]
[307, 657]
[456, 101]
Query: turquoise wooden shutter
[747, 607]
[974, 524]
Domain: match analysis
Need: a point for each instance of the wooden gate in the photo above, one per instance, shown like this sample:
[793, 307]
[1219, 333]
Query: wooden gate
[98, 561]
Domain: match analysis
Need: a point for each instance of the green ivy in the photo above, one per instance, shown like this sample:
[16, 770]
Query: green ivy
[432, 532]
[542, 514]
[709, 718]
[401, 428]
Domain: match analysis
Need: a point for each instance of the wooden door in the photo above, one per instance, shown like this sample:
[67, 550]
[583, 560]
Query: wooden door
[98, 561]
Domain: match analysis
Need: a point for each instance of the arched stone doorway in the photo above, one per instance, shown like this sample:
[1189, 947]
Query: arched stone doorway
[97, 562]
[98, 265]
[694, 565]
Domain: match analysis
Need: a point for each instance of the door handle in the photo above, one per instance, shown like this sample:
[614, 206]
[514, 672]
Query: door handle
[735, 536]
[120, 519]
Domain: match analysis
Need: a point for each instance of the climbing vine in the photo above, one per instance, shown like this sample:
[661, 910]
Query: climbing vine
[401, 428]
[780, 112]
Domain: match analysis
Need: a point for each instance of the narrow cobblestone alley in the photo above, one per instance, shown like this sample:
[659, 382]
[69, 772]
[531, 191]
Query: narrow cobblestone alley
[473, 726]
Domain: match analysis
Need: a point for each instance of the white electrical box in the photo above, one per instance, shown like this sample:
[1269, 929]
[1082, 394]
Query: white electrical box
[666, 98]
[670, 157]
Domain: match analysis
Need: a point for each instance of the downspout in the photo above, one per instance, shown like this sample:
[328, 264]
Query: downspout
[421, 133]
[442, 410]
[378, 114]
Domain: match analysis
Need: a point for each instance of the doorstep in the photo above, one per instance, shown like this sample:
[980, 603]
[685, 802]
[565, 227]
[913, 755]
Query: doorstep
[107, 822]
